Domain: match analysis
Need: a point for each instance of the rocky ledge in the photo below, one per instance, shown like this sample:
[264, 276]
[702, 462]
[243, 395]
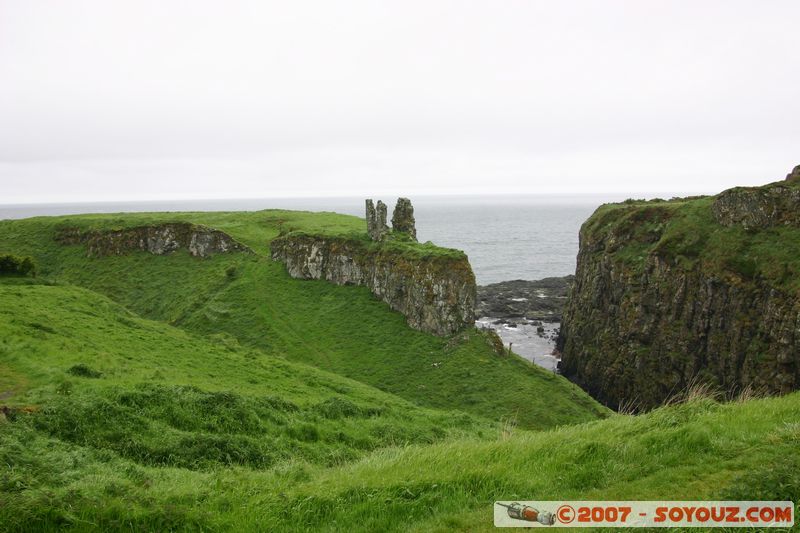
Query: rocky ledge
[540, 300]
[436, 293]
[433, 287]
[777, 204]
[157, 239]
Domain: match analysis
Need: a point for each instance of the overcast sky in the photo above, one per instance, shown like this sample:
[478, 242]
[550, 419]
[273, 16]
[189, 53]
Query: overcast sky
[171, 99]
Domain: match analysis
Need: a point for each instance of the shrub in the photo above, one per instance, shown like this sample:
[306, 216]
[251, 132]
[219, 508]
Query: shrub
[14, 265]
[84, 371]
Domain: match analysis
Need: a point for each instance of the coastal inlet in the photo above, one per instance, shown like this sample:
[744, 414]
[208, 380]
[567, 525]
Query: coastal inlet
[526, 315]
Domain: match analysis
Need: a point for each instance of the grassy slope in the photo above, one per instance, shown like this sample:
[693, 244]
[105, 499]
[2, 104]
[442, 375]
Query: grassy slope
[341, 329]
[698, 450]
[97, 374]
[50, 481]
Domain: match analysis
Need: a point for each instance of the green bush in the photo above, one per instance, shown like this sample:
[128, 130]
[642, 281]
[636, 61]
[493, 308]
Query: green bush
[14, 265]
[84, 371]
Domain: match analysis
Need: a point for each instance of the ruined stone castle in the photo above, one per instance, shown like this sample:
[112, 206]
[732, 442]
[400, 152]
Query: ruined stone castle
[402, 219]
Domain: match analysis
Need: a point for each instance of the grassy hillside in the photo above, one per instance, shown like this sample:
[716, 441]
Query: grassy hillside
[697, 450]
[340, 329]
[111, 452]
[95, 374]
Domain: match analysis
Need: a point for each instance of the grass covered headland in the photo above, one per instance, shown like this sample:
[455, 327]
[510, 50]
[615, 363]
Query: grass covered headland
[158, 392]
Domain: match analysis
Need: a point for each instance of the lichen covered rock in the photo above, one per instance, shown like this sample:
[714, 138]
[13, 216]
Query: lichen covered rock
[376, 221]
[436, 293]
[403, 218]
[759, 207]
[157, 239]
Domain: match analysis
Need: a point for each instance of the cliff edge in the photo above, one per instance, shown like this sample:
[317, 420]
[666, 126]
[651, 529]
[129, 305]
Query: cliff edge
[695, 290]
[433, 287]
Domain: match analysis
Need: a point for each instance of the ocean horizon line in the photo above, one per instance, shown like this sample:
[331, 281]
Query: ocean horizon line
[455, 195]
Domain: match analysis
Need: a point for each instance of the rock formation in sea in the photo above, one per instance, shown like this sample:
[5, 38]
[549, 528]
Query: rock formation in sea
[542, 299]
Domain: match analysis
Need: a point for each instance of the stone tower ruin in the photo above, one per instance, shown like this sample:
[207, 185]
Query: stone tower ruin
[402, 219]
[376, 221]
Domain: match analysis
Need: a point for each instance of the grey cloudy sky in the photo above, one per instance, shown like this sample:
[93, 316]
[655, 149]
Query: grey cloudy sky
[200, 99]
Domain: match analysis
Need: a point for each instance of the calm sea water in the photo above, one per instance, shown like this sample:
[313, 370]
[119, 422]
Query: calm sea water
[505, 237]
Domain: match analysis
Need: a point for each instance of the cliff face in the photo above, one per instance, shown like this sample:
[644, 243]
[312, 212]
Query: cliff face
[158, 239]
[673, 293]
[436, 293]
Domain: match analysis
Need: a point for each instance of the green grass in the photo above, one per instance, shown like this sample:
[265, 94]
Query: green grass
[97, 375]
[698, 450]
[170, 393]
[342, 329]
[396, 244]
[684, 232]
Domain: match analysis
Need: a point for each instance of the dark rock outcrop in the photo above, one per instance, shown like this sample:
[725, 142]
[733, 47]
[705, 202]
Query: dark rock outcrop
[157, 239]
[435, 293]
[542, 299]
[403, 218]
[675, 293]
[794, 174]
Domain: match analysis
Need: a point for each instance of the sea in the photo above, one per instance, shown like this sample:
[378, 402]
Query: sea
[506, 237]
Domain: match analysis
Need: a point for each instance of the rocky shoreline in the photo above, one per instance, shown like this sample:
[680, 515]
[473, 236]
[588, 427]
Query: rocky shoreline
[526, 315]
[524, 301]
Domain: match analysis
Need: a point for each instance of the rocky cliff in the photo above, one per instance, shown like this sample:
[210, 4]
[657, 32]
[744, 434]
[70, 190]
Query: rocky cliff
[433, 287]
[701, 290]
[158, 239]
